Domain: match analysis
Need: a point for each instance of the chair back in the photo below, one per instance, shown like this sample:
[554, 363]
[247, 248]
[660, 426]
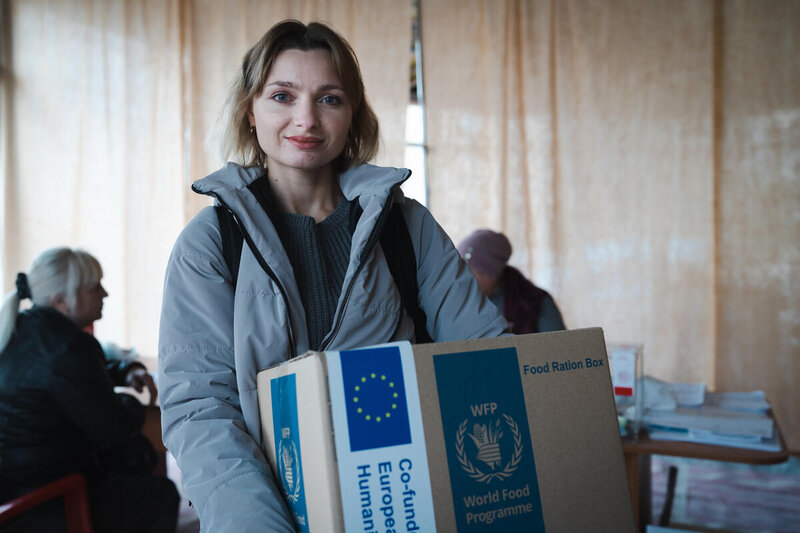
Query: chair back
[76, 502]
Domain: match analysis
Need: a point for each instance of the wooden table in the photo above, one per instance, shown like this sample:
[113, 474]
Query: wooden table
[637, 464]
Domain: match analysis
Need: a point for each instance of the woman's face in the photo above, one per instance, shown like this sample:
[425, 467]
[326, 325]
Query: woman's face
[88, 304]
[302, 115]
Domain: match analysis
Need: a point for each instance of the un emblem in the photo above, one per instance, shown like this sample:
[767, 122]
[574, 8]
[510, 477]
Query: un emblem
[487, 439]
[289, 467]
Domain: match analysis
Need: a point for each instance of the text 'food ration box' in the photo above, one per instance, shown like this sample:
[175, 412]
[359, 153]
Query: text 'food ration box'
[514, 433]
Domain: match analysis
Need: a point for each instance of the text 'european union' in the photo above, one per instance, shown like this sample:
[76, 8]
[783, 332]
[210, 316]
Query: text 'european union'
[374, 390]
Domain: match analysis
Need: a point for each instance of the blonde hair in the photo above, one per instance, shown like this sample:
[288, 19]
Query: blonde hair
[239, 145]
[53, 272]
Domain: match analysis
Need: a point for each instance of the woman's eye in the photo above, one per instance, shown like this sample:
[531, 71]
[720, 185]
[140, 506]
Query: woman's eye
[331, 100]
[281, 97]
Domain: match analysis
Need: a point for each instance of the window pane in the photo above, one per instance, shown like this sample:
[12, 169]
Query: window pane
[416, 186]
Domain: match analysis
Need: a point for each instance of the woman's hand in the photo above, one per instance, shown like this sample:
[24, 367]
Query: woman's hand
[138, 377]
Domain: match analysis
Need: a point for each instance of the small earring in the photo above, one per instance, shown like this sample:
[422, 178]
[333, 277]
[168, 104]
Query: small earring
[252, 129]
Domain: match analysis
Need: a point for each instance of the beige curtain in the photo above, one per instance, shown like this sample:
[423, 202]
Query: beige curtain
[758, 204]
[96, 144]
[642, 156]
[109, 105]
[217, 34]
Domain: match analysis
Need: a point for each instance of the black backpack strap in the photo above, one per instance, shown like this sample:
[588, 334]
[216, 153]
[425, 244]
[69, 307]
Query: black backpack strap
[232, 240]
[399, 251]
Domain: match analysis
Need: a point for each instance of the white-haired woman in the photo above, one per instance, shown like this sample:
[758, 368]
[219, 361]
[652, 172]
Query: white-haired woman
[58, 410]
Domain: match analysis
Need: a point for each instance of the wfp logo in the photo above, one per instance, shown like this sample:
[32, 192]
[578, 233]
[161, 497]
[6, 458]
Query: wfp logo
[288, 466]
[376, 406]
[494, 444]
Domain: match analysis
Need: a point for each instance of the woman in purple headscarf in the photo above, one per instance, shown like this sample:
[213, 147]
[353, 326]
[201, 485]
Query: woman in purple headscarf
[526, 307]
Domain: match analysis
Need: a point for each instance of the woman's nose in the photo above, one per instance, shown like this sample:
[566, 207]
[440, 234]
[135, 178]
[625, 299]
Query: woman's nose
[306, 113]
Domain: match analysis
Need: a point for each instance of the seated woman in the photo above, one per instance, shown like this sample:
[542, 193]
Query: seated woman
[58, 410]
[527, 308]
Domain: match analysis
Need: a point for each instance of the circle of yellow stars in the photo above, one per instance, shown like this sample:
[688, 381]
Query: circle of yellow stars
[360, 410]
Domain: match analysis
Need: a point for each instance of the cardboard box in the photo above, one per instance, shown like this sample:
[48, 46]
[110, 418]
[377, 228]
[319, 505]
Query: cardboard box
[515, 433]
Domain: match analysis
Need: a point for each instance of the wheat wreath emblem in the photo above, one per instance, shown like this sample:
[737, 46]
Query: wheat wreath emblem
[288, 460]
[486, 440]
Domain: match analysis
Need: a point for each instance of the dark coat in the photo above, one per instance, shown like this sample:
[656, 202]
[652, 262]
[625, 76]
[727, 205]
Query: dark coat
[528, 308]
[58, 410]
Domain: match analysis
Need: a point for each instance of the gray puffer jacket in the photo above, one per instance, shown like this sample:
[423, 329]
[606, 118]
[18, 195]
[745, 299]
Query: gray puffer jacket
[212, 342]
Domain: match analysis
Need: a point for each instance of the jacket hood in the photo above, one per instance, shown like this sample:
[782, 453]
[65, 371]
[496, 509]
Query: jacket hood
[363, 181]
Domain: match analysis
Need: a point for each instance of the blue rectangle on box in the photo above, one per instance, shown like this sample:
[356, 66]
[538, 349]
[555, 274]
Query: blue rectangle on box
[287, 448]
[487, 441]
[375, 396]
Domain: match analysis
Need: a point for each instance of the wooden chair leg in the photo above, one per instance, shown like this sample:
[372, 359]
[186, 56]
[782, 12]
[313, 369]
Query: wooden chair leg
[666, 511]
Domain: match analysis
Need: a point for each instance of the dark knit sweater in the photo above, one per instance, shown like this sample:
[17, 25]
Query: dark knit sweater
[319, 254]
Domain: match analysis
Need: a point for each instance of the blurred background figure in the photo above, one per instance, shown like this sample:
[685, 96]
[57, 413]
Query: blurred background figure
[59, 413]
[526, 307]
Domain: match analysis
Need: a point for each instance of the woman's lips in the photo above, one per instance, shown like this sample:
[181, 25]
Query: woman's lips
[304, 143]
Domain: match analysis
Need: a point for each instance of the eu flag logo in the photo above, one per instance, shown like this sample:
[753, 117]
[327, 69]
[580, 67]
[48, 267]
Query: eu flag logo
[375, 395]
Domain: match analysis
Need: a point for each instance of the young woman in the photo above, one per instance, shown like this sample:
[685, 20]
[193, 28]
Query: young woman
[58, 410]
[312, 274]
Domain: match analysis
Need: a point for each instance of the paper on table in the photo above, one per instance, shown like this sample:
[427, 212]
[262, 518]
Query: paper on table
[768, 444]
[689, 394]
[711, 418]
[751, 402]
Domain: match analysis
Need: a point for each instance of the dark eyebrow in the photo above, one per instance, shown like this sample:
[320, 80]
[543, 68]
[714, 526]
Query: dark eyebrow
[288, 84]
[291, 85]
[331, 88]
